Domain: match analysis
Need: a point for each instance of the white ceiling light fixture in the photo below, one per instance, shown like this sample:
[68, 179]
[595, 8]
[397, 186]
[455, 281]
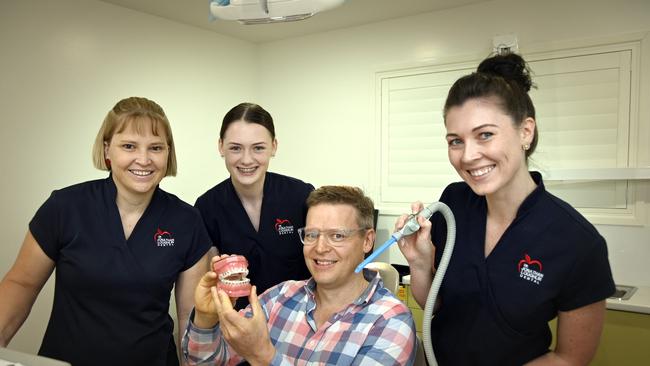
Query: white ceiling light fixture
[269, 11]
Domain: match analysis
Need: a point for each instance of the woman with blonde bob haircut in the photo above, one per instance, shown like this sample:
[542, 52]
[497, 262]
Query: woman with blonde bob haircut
[118, 245]
[138, 112]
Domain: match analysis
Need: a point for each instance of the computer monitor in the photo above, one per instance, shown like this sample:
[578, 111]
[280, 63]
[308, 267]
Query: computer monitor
[375, 218]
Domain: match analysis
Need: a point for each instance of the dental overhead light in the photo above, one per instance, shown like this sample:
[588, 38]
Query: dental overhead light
[269, 11]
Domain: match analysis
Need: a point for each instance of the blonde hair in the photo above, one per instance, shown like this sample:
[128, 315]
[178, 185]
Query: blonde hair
[134, 112]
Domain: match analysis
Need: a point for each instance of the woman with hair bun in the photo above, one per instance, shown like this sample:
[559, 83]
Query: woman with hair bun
[522, 256]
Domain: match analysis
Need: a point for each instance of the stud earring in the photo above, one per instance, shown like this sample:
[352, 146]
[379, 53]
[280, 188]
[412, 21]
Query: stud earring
[525, 147]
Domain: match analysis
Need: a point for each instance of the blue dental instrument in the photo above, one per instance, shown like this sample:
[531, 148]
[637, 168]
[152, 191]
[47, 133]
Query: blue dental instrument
[411, 226]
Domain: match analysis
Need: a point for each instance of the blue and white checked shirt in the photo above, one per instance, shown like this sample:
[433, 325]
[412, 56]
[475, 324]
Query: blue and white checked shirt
[376, 329]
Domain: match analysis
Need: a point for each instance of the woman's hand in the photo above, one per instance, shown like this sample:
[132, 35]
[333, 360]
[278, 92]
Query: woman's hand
[416, 248]
[418, 251]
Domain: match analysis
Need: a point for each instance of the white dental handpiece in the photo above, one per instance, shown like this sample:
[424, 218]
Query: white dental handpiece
[411, 225]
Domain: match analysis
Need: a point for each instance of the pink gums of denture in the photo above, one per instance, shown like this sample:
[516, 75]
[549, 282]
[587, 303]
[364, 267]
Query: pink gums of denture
[232, 272]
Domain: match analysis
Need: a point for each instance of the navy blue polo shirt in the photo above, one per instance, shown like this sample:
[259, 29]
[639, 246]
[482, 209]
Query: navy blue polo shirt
[495, 310]
[274, 253]
[111, 297]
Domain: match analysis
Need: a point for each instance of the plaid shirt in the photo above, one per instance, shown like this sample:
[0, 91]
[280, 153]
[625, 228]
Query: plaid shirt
[376, 329]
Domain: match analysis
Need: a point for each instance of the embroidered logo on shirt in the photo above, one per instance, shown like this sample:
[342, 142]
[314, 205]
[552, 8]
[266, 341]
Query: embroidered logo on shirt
[163, 238]
[283, 226]
[530, 269]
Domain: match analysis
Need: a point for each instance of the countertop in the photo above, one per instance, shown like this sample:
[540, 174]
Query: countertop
[13, 357]
[638, 303]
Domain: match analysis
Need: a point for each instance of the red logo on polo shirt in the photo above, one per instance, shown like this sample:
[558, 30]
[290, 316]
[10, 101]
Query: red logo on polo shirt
[163, 238]
[530, 269]
[283, 226]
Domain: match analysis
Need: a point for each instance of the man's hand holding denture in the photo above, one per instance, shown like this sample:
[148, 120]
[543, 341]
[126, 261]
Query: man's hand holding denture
[228, 272]
[248, 336]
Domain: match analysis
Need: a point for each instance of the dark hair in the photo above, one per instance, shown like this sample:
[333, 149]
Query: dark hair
[346, 195]
[248, 112]
[505, 77]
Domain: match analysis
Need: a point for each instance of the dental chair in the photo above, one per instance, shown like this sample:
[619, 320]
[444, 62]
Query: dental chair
[388, 274]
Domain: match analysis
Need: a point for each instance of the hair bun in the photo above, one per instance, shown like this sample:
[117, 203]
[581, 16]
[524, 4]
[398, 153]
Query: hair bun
[509, 66]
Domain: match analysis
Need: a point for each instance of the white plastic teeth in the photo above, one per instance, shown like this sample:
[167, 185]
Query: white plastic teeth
[234, 282]
[234, 275]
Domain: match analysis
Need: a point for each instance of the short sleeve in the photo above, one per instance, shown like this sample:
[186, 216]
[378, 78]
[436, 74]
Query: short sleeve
[46, 226]
[209, 220]
[201, 242]
[590, 279]
[308, 189]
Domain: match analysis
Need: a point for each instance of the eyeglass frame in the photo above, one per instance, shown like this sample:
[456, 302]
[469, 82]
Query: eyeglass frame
[348, 233]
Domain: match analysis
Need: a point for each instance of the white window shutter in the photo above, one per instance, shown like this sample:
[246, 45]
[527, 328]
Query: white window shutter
[583, 103]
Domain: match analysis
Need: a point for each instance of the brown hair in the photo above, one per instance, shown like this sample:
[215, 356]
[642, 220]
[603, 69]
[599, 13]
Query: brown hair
[506, 79]
[345, 195]
[248, 112]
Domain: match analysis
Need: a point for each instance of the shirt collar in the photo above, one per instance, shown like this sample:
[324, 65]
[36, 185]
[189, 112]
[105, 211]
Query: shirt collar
[374, 283]
[533, 197]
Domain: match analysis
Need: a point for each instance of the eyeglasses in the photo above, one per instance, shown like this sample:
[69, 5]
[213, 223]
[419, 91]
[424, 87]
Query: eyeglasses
[335, 237]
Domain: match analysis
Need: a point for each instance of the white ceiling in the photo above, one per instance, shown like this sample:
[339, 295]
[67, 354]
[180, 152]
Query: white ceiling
[351, 13]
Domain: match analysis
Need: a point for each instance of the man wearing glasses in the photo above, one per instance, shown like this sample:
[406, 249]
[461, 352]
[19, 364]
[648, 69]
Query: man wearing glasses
[337, 317]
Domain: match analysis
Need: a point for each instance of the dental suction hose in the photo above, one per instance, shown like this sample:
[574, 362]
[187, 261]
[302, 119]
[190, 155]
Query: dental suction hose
[437, 280]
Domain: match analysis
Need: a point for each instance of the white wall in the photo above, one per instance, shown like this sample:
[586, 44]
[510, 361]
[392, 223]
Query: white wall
[324, 92]
[63, 65]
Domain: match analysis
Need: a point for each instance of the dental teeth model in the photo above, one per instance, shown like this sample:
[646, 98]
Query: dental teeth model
[232, 272]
